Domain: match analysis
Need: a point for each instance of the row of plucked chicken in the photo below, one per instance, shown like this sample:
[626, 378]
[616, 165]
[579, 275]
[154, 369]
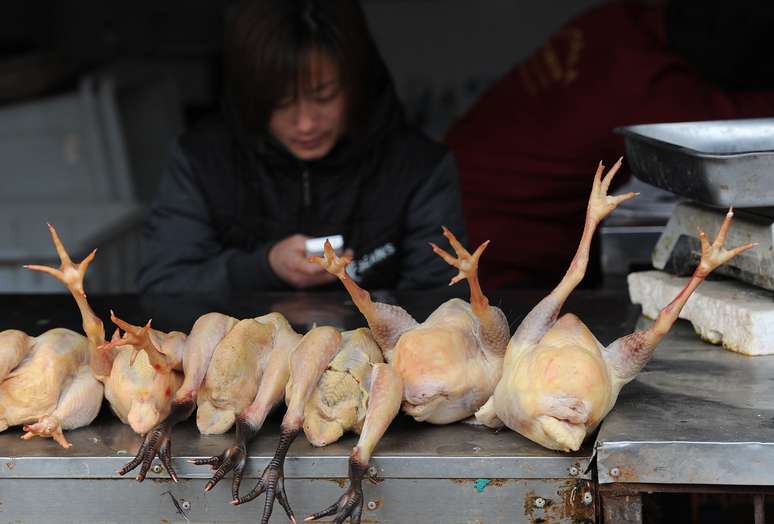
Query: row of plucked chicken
[552, 381]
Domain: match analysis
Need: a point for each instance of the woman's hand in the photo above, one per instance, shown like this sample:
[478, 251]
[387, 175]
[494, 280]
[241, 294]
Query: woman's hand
[288, 260]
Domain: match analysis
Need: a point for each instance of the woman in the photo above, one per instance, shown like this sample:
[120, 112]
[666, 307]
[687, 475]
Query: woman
[311, 142]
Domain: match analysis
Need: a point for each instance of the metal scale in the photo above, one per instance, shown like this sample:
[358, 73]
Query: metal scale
[714, 165]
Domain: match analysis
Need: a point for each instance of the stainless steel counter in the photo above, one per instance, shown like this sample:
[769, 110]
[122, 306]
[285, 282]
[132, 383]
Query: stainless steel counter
[697, 414]
[409, 449]
[456, 473]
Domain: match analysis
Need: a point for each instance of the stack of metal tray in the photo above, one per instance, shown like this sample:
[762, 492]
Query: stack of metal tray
[720, 163]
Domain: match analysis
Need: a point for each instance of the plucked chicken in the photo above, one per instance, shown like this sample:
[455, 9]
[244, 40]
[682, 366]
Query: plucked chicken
[46, 383]
[231, 367]
[558, 381]
[340, 399]
[442, 370]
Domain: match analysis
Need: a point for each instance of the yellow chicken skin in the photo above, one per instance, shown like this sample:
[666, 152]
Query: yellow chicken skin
[569, 361]
[339, 401]
[139, 393]
[558, 381]
[446, 375]
[46, 384]
[253, 348]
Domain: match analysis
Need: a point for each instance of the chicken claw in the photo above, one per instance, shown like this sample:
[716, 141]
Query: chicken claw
[331, 262]
[714, 254]
[69, 273]
[158, 442]
[233, 458]
[350, 504]
[49, 426]
[466, 263]
[273, 480]
[600, 203]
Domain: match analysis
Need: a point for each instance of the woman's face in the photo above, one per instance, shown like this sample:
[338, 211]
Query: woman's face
[311, 123]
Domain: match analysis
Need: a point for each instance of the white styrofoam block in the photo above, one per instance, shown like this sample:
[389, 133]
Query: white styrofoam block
[737, 315]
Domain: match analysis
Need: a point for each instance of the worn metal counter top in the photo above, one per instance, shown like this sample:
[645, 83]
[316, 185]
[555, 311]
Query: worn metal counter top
[697, 414]
[408, 450]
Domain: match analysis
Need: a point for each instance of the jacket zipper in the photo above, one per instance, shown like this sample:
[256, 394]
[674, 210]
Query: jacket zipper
[306, 202]
[306, 189]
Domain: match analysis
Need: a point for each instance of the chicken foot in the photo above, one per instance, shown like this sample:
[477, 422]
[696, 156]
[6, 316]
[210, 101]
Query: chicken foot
[76, 408]
[629, 354]
[387, 322]
[308, 361]
[385, 396]
[72, 276]
[494, 325]
[233, 458]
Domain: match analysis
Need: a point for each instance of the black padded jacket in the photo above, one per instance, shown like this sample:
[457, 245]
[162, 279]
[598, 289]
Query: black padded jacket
[228, 197]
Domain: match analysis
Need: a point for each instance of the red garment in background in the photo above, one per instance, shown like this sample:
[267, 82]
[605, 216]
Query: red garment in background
[528, 149]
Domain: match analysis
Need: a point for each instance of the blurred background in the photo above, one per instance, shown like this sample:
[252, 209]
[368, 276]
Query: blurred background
[92, 94]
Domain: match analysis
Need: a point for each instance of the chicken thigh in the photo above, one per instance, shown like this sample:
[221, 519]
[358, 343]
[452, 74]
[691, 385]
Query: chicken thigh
[46, 383]
[443, 369]
[340, 399]
[558, 381]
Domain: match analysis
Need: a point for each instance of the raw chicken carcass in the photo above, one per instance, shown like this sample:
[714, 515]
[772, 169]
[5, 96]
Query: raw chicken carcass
[443, 369]
[138, 392]
[558, 381]
[306, 362]
[46, 383]
[227, 364]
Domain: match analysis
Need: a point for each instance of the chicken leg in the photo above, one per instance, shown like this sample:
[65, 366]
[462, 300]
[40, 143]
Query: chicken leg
[493, 324]
[385, 397]
[77, 407]
[307, 363]
[270, 392]
[542, 317]
[72, 275]
[387, 322]
[628, 355]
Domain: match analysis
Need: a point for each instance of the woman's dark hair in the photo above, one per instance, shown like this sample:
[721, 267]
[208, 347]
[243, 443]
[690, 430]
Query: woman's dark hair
[270, 43]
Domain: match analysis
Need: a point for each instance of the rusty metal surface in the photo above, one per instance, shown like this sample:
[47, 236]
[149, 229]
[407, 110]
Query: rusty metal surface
[697, 414]
[395, 501]
[622, 509]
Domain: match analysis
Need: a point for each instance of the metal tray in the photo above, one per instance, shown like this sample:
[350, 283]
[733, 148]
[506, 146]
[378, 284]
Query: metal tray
[719, 163]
